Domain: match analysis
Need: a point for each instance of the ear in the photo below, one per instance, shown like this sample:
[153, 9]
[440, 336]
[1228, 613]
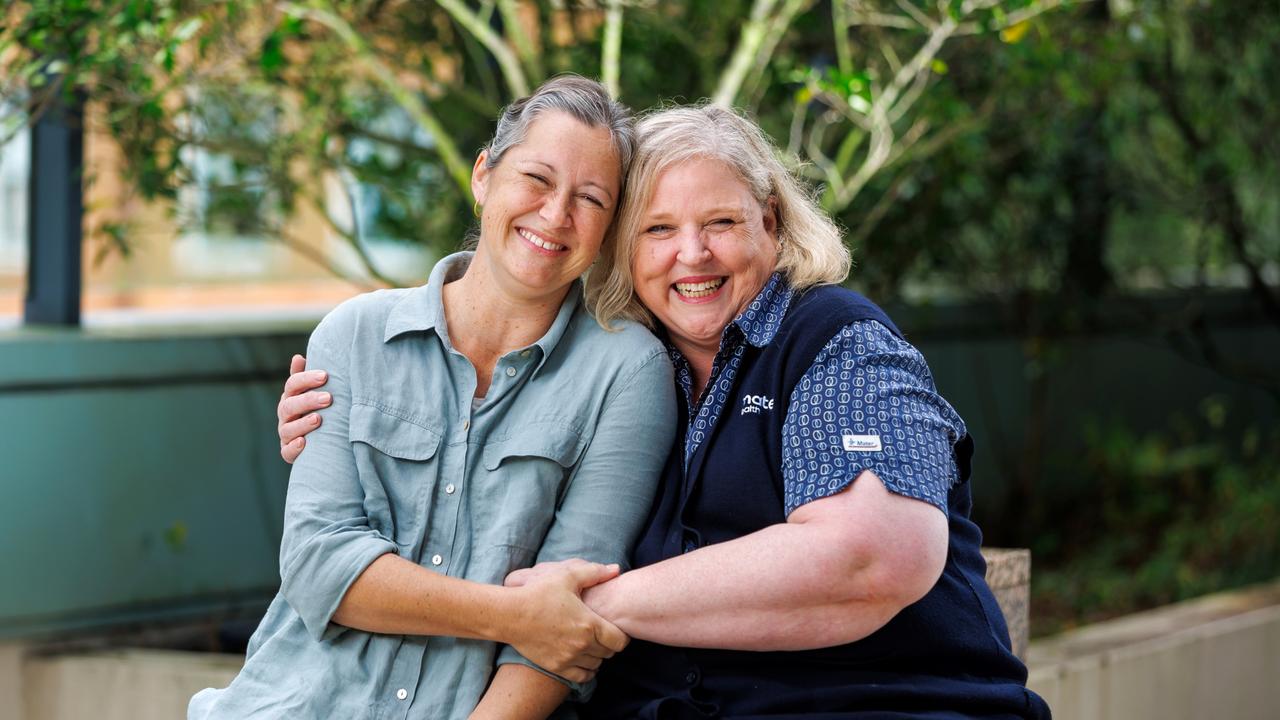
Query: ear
[771, 218]
[480, 177]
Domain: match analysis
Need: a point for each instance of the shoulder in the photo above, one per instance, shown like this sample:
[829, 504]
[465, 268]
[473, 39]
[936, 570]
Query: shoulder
[625, 356]
[870, 345]
[625, 341]
[832, 307]
[363, 315]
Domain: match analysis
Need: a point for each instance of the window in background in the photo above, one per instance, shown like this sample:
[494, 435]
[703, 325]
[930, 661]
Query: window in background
[214, 254]
[15, 168]
[385, 215]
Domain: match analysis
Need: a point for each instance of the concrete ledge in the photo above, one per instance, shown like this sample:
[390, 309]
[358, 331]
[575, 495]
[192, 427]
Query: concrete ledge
[84, 679]
[122, 685]
[1213, 657]
[1009, 575]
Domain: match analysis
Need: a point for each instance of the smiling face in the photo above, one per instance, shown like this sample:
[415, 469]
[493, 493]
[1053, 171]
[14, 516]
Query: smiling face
[706, 248]
[547, 206]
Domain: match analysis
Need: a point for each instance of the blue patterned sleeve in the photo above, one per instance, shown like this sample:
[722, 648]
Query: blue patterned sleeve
[868, 402]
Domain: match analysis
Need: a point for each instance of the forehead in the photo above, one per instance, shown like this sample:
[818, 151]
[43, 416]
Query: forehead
[697, 183]
[558, 138]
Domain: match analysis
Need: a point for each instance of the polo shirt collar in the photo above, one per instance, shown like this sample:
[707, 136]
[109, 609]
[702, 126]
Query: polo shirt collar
[761, 320]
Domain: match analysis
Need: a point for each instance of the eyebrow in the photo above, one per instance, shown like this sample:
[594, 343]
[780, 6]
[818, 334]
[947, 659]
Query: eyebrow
[735, 209]
[589, 183]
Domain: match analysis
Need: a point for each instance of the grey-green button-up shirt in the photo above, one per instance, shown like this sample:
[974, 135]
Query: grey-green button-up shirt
[560, 460]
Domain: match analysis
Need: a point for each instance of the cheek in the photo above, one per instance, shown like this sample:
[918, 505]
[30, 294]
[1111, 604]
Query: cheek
[648, 274]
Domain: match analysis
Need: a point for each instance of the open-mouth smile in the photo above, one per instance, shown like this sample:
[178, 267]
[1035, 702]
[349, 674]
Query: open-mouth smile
[540, 242]
[699, 288]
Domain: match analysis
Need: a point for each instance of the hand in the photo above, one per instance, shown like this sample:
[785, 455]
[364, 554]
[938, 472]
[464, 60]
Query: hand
[296, 411]
[555, 629]
[543, 570]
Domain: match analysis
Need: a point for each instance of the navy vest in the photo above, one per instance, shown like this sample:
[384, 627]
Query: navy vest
[947, 655]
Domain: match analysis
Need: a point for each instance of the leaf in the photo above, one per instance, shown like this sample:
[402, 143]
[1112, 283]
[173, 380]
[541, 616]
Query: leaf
[272, 58]
[1015, 33]
[188, 29]
[939, 67]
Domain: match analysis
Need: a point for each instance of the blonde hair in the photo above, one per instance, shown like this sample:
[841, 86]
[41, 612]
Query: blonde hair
[811, 250]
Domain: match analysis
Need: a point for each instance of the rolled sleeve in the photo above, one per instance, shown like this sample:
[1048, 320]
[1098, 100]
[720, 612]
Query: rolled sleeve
[327, 541]
[613, 485]
[868, 402]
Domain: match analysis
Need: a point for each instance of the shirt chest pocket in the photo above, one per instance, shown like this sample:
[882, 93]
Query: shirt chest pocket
[525, 477]
[395, 458]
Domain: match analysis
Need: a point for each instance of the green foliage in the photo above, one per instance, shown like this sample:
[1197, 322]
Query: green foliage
[279, 96]
[1172, 515]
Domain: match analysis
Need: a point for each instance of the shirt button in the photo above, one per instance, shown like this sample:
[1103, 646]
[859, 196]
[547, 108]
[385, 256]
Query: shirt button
[511, 372]
[436, 559]
[466, 424]
[525, 353]
[448, 489]
[691, 677]
[402, 694]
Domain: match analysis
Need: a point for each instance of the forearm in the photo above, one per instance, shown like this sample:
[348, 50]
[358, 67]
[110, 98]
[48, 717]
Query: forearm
[520, 692]
[770, 590]
[395, 596]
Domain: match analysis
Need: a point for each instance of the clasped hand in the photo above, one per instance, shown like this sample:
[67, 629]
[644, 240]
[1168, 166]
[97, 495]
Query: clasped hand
[558, 631]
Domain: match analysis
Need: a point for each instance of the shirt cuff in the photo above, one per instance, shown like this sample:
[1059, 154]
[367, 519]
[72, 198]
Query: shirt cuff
[319, 576]
[578, 692]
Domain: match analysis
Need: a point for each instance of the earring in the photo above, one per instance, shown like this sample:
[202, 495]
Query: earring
[475, 209]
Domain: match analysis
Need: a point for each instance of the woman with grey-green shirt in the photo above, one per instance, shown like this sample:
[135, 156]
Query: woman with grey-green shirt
[477, 424]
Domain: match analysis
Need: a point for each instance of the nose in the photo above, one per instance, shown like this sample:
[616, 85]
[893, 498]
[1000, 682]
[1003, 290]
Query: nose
[555, 211]
[693, 248]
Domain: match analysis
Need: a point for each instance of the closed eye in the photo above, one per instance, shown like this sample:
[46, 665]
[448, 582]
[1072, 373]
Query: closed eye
[538, 178]
[592, 200]
[722, 223]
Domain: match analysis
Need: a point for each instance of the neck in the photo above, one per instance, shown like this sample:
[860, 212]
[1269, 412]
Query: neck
[485, 322]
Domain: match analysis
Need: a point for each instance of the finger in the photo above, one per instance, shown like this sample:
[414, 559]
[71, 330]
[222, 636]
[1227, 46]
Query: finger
[300, 382]
[608, 635]
[517, 578]
[297, 364]
[296, 429]
[292, 408]
[587, 574]
[291, 451]
[590, 663]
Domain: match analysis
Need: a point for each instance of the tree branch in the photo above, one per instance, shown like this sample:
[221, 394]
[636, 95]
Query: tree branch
[524, 46]
[507, 60]
[611, 48]
[740, 63]
[458, 169]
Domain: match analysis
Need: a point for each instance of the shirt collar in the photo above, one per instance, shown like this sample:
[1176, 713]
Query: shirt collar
[422, 308]
[761, 320]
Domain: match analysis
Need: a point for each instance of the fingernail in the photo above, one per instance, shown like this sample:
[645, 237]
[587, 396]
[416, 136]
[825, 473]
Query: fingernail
[325, 397]
[313, 419]
[318, 375]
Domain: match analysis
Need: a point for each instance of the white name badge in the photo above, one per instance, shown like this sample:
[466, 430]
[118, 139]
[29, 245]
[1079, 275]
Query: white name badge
[862, 443]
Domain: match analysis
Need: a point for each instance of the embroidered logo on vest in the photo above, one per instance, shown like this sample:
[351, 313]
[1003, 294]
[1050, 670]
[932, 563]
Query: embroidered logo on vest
[755, 404]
